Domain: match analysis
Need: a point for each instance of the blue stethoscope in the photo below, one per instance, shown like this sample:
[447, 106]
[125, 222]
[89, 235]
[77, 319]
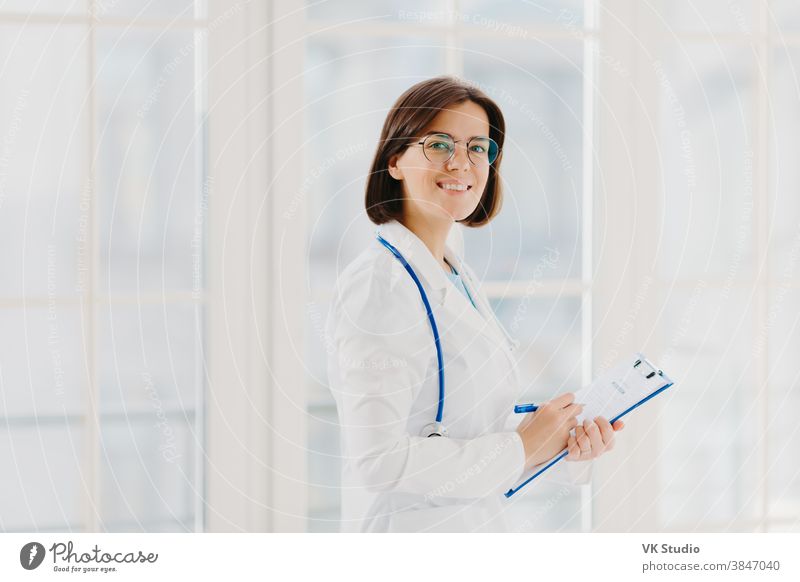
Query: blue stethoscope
[434, 428]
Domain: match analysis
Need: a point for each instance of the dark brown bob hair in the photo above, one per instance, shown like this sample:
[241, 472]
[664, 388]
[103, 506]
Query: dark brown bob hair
[409, 116]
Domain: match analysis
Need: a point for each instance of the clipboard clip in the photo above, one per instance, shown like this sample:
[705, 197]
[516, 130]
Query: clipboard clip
[648, 370]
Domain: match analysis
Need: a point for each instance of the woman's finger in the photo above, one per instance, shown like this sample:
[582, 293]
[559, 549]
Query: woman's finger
[618, 425]
[583, 440]
[573, 448]
[563, 400]
[606, 432]
[596, 440]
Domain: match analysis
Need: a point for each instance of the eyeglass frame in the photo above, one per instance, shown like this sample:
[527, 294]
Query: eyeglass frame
[455, 141]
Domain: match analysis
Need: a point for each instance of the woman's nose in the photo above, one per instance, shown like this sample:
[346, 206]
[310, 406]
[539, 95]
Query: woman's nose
[460, 159]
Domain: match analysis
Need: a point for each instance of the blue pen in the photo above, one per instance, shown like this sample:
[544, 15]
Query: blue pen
[523, 408]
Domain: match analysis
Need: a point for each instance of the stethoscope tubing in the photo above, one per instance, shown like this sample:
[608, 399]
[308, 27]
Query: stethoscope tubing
[431, 319]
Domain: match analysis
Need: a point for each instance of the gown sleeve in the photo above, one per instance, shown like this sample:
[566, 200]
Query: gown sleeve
[381, 350]
[564, 472]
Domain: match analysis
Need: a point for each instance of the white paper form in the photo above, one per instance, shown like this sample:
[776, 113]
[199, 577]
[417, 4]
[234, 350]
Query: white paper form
[613, 394]
[622, 388]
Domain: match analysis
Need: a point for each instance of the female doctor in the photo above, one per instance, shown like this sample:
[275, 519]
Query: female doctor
[423, 374]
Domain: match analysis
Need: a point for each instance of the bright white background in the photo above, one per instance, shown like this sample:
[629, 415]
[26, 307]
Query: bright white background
[180, 184]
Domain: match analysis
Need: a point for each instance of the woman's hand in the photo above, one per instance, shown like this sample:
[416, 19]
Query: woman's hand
[544, 433]
[592, 439]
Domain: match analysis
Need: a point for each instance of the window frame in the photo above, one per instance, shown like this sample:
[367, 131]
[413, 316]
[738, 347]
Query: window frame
[89, 298]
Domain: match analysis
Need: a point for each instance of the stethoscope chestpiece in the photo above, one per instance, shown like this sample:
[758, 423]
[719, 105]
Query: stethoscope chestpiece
[434, 429]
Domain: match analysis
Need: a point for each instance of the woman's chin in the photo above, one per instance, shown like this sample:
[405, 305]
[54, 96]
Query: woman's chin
[455, 213]
[463, 213]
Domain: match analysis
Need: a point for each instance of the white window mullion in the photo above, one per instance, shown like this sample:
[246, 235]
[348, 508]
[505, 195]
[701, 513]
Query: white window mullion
[256, 415]
[228, 409]
[201, 304]
[587, 188]
[760, 183]
[454, 60]
[626, 186]
[92, 436]
[284, 235]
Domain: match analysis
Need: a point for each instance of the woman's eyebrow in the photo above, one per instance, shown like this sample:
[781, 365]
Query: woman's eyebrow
[450, 134]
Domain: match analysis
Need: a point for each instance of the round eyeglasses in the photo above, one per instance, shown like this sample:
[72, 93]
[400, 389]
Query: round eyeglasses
[440, 147]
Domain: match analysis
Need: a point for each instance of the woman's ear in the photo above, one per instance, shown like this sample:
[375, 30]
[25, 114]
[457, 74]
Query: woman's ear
[394, 171]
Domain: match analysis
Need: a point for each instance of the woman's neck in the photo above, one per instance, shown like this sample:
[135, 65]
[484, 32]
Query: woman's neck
[432, 233]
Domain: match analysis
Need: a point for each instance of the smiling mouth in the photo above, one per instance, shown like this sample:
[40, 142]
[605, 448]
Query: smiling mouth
[454, 187]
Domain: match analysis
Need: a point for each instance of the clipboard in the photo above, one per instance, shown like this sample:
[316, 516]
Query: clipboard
[613, 394]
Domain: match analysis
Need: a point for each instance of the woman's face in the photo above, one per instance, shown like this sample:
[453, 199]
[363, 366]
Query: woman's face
[435, 191]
